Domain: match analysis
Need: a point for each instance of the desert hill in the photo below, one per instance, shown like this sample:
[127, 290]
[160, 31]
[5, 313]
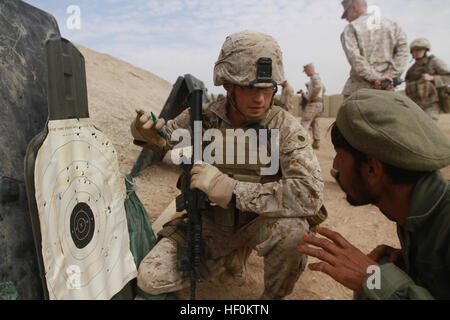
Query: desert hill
[117, 88]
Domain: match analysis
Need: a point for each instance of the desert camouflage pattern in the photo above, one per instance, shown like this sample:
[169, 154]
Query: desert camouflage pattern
[425, 93]
[274, 239]
[281, 210]
[373, 51]
[287, 98]
[310, 119]
[310, 116]
[298, 193]
[433, 111]
[237, 62]
[316, 89]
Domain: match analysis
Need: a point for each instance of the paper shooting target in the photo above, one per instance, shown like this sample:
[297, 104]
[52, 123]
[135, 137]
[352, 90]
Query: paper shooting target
[80, 196]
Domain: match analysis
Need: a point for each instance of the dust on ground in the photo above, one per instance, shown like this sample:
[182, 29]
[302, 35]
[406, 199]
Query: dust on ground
[116, 89]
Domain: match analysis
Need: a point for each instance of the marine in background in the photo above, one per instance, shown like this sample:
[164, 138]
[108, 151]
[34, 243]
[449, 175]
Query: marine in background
[287, 97]
[314, 106]
[427, 80]
[376, 48]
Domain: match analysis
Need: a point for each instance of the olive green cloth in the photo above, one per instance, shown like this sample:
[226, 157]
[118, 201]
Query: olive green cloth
[392, 128]
[425, 239]
[142, 238]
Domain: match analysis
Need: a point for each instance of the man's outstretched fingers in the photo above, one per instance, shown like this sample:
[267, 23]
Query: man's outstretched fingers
[334, 236]
[321, 243]
[317, 253]
[322, 267]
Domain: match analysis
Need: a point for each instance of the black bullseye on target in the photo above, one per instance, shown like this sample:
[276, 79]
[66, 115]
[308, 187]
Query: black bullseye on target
[82, 225]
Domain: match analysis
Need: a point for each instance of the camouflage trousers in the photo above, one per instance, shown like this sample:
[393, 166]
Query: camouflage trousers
[433, 110]
[310, 118]
[275, 239]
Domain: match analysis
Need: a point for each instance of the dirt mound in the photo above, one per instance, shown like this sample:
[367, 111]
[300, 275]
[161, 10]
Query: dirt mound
[117, 88]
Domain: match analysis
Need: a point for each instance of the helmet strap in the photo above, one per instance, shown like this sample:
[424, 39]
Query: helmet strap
[232, 102]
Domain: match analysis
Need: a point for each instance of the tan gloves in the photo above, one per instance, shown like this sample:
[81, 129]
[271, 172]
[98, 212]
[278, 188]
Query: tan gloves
[145, 132]
[215, 184]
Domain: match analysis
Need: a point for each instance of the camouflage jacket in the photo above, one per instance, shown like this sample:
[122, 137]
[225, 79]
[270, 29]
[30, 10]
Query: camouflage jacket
[423, 92]
[374, 48]
[299, 192]
[316, 89]
[425, 239]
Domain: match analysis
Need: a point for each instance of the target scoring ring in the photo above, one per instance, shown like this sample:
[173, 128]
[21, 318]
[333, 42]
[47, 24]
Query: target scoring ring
[82, 225]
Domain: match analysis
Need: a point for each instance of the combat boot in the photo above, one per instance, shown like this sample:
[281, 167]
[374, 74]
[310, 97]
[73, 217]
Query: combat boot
[235, 272]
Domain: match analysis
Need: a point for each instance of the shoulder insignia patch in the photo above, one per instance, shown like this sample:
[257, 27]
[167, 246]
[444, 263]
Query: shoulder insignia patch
[300, 138]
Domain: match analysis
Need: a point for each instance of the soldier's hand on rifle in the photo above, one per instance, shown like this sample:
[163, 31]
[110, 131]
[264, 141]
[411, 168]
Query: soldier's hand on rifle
[215, 184]
[146, 132]
[427, 77]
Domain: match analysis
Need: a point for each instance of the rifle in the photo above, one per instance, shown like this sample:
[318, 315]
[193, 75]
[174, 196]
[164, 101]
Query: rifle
[386, 83]
[303, 101]
[192, 200]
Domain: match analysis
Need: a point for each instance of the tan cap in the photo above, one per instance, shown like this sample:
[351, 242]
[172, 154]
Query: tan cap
[239, 58]
[346, 4]
[309, 66]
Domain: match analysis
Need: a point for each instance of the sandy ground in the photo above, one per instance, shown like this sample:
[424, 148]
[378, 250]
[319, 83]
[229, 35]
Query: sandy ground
[117, 88]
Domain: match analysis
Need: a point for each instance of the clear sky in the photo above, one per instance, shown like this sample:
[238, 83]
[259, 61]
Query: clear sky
[175, 37]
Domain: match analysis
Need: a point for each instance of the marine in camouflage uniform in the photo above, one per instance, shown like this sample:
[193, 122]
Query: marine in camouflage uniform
[310, 116]
[423, 80]
[287, 97]
[272, 211]
[375, 47]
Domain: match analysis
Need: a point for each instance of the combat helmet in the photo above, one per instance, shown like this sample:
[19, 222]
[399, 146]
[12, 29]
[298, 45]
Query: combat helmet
[421, 43]
[250, 58]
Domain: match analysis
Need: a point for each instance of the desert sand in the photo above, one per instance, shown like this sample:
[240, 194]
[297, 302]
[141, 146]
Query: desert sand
[116, 89]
